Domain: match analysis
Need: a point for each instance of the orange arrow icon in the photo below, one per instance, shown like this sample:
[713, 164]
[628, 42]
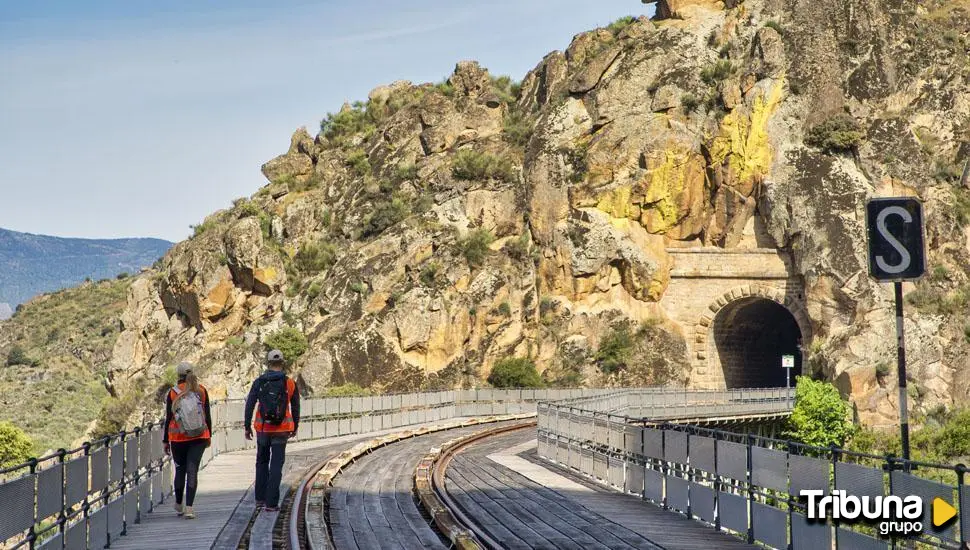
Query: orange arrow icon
[942, 511]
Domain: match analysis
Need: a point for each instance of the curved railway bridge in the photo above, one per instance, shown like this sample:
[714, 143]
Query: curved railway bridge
[645, 468]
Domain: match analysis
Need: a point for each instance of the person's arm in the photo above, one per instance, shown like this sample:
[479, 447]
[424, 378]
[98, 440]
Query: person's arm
[250, 405]
[168, 418]
[295, 407]
[208, 411]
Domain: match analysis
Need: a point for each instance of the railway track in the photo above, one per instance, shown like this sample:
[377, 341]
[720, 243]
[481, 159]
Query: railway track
[363, 496]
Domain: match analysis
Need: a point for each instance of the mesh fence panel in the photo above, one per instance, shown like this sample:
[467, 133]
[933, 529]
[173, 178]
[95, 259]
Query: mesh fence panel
[858, 480]
[99, 469]
[131, 507]
[904, 484]
[117, 462]
[634, 479]
[98, 529]
[809, 534]
[770, 525]
[616, 472]
[19, 517]
[653, 485]
[850, 540]
[600, 466]
[769, 468]
[677, 493]
[56, 542]
[75, 537]
[653, 443]
[702, 502]
[131, 456]
[145, 496]
[702, 453]
[50, 491]
[116, 517]
[808, 473]
[733, 511]
[76, 488]
[675, 446]
[732, 460]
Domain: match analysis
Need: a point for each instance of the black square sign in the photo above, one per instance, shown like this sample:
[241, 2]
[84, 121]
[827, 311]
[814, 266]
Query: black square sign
[895, 230]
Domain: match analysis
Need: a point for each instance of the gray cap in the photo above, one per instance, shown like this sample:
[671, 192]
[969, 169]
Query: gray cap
[274, 356]
[184, 368]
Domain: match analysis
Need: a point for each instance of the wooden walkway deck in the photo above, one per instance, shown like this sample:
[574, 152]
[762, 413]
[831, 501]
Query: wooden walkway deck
[530, 505]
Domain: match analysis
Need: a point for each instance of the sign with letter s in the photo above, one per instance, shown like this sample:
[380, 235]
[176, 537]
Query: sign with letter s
[895, 230]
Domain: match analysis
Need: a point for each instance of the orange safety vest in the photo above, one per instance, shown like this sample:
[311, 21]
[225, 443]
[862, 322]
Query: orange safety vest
[175, 432]
[287, 425]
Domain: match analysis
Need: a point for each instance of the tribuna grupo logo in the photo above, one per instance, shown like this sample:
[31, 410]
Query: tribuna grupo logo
[895, 515]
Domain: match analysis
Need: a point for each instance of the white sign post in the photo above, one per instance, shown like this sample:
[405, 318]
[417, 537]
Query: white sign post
[788, 363]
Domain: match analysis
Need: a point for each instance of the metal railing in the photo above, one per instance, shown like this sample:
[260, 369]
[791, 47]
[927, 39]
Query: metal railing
[89, 496]
[84, 497]
[742, 484]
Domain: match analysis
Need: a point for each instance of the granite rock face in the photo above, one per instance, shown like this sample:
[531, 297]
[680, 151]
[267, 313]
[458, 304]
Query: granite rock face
[426, 234]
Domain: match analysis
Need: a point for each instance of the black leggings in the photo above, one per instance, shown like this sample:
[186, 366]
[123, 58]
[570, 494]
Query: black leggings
[187, 456]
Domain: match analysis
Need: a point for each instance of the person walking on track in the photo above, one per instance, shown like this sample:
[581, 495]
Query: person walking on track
[189, 422]
[277, 419]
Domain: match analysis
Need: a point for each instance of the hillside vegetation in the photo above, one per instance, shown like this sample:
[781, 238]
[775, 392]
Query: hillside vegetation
[54, 356]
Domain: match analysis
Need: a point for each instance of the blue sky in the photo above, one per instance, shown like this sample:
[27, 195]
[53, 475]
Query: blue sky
[137, 118]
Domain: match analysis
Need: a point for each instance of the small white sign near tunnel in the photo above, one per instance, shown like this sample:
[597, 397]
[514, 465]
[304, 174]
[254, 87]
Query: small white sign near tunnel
[788, 361]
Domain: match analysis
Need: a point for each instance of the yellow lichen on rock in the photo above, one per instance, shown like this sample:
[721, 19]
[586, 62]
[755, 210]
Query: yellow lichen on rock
[616, 202]
[743, 141]
[669, 175]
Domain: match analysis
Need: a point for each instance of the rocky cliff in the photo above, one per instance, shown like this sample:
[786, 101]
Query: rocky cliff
[433, 229]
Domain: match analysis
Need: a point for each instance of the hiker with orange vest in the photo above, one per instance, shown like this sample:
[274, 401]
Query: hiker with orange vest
[188, 419]
[277, 418]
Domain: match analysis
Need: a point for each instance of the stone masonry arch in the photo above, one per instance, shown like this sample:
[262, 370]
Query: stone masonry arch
[706, 280]
[716, 375]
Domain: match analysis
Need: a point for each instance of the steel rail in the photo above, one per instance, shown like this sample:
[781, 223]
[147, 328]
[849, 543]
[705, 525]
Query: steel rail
[441, 491]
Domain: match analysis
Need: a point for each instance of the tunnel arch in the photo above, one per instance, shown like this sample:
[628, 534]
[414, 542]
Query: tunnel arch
[744, 333]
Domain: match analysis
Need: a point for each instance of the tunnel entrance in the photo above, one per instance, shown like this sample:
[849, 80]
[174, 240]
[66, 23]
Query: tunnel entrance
[750, 336]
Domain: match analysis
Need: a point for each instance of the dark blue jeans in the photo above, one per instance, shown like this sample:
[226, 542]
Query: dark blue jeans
[270, 456]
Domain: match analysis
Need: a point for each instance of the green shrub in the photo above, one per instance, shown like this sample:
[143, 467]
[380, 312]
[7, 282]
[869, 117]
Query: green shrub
[386, 214]
[358, 162]
[17, 356]
[314, 290]
[932, 300]
[429, 275]
[518, 248]
[615, 350]
[289, 340]
[690, 102]
[506, 89]
[840, 133]
[346, 390]
[15, 445]
[405, 172]
[445, 88]
[315, 257]
[473, 165]
[882, 370]
[517, 128]
[776, 26]
[620, 24]
[235, 341]
[517, 372]
[718, 71]
[474, 247]
[340, 127]
[247, 209]
[820, 417]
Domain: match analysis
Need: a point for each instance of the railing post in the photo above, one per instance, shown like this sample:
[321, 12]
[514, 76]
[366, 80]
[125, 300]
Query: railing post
[836, 455]
[750, 445]
[61, 516]
[664, 466]
[31, 534]
[717, 484]
[961, 470]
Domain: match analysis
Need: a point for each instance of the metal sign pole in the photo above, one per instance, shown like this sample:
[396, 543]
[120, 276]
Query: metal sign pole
[788, 386]
[901, 364]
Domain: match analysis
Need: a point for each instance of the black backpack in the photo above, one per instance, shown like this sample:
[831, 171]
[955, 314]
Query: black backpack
[273, 401]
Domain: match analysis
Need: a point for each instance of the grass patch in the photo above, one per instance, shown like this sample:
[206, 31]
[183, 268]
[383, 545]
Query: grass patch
[839, 134]
[474, 247]
[473, 165]
[385, 214]
[716, 72]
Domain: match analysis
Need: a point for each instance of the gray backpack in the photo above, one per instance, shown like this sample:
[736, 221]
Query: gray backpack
[189, 413]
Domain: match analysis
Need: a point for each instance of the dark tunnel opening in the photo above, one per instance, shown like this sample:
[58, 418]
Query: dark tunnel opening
[751, 336]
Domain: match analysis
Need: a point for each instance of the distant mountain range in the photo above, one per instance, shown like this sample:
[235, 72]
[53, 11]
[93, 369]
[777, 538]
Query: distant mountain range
[33, 264]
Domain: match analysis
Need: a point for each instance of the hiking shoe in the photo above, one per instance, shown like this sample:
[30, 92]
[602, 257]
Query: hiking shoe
[178, 509]
[260, 504]
[189, 513]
